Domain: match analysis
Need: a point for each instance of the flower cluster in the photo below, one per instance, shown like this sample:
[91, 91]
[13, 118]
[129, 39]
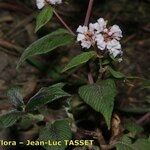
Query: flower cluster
[41, 3]
[104, 38]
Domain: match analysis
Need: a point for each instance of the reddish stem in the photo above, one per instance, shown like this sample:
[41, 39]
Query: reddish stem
[63, 22]
[89, 10]
[87, 18]
[90, 77]
[144, 118]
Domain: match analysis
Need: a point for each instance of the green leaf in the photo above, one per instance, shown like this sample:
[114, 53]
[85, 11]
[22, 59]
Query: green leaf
[142, 144]
[15, 96]
[58, 131]
[124, 144]
[100, 97]
[133, 127]
[46, 95]
[9, 119]
[79, 60]
[116, 74]
[44, 16]
[46, 44]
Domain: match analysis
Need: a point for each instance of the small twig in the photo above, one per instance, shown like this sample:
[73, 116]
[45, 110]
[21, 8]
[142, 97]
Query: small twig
[100, 138]
[86, 132]
[15, 7]
[63, 22]
[22, 23]
[7, 51]
[143, 118]
[90, 77]
[9, 45]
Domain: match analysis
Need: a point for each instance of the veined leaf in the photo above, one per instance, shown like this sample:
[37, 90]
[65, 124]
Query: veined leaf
[46, 44]
[100, 97]
[9, 119]
[79, 60]
[46, 95]
[116, 74]
[58, 131]
[43, 17]
[126, 144]
[15, 96]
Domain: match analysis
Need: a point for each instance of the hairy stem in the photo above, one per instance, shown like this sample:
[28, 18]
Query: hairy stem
[90, 77]
[63, 22]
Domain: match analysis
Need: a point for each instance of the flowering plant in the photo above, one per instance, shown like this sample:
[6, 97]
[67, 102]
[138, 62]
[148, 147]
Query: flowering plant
[100, 50]
[104, 38]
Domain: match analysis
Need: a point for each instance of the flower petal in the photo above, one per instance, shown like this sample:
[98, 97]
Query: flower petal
[82, 29]
[53, 2]
[114, 47]
[86, 44]
[102, 24]
[92, 27]
[101, 45]
[80, 37]
[116, 32]
[40, 3]
[99, 38]
[113, 44]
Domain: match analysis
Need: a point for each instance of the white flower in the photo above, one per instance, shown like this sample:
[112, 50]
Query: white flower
[114, 47]
[41, 3]
[115, 32]
[108, 38]
[104, 38]
[86, 35]
[100, 25]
